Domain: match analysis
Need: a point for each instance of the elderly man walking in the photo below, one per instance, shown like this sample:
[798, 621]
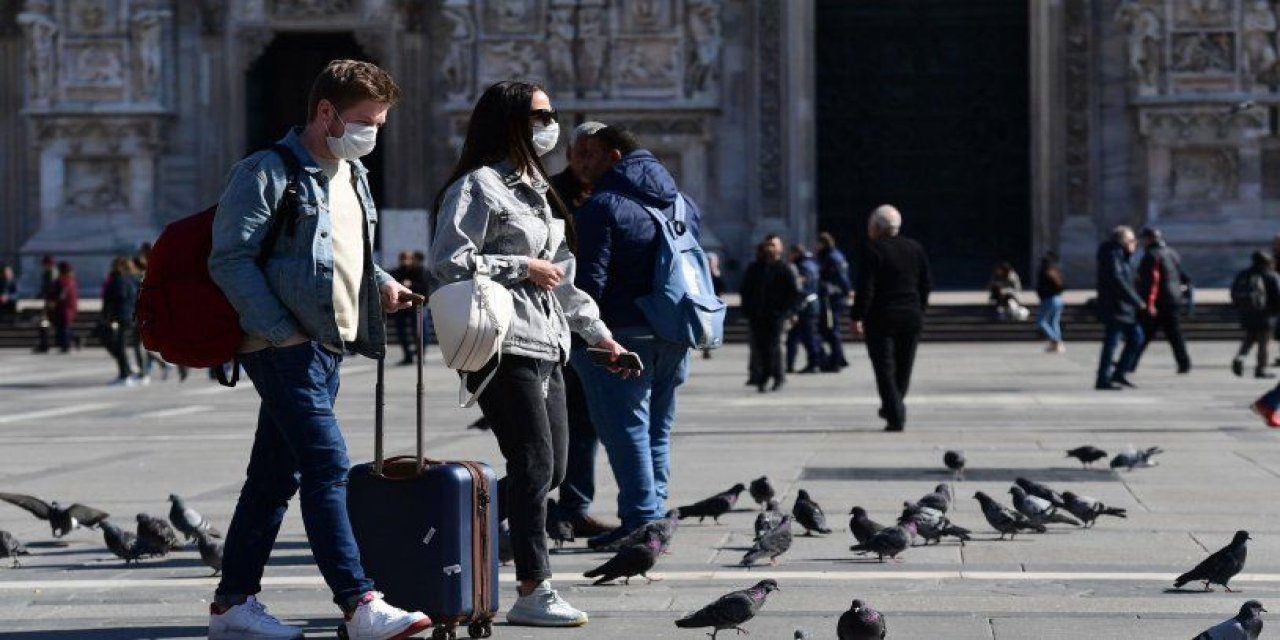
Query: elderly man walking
[888, 308]
[1118, 303]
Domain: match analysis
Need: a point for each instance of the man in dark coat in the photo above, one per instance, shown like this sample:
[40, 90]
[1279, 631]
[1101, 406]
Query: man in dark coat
[1118, 305]
[1161, 282]
[770, 292]
[1255, 293]
[834, 290]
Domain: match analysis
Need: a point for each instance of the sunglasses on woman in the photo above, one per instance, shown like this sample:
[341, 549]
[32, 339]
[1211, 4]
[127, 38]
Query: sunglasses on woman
[545, 116]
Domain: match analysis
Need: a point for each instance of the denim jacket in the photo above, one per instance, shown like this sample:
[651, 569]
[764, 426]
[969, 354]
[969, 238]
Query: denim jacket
[490, 215]
[294, 291]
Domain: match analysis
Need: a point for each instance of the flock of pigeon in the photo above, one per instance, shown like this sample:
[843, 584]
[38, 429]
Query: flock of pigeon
[153, 537]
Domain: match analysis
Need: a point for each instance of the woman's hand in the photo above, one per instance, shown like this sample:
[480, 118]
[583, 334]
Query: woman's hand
[615, 350]
[544, 274]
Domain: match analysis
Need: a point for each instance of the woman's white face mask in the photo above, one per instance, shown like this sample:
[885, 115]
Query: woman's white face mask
[545, 137]
[357, 141]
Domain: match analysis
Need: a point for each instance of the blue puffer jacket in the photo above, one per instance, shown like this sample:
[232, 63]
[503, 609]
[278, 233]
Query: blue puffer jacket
[618, 241]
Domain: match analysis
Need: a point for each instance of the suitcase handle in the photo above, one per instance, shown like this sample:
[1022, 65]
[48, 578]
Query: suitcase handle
[380, 400]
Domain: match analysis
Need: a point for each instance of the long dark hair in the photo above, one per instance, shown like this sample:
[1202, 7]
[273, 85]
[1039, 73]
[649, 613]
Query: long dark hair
[499, 129]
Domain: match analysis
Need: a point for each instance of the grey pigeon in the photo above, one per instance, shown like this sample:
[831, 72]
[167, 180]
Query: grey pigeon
[1090, 509]
[809, 514]
[954, 460]
[940, 499]
[1006, 521]
[770, 545]
[559, 529]
[713, 507]
[889, 541]
[1134, 458]
[861, 622]
[761, 491]
[61, 521]
[1040, 491]
[765, 522]
[862, 526]
[189, 521]
[932, 525]
[1087, 455]
[123, 544]
[1246, 625]
[665, 528]
[505, 553]
[630, 561]
[210, 551]
[731, 611]
[1038, 510]
[155, 537]
[801, 634]
[1221, 566]
[11, 548]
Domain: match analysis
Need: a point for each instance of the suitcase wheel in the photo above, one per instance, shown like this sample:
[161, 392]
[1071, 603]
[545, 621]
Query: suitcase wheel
[444, 633]
[480, 629]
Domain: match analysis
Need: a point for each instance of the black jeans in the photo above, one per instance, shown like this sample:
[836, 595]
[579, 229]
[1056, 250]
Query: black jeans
[1168, 321]
[1260, 336]
[579, 487]
[407, 332]
[526, 411]
[892, 351]
[124, 336]
[766, 351]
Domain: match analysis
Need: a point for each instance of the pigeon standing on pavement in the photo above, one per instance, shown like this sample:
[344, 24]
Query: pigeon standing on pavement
[61, 521]
[772, 544]
[861, 622]
[1038, 510]
[731, 611]
[1090, 509]
[713, 507]
[559, 529]
[665, 528]
[189, 521]
[809, 514]
[630, 561]
[862, 526]
[1221, 566]
[11, 548]
[765, 522]
[955, 462]
[1005, 520]
[155, 537]
[1087, 455]
[1246, 625]
[889, 541]
[1134, 458]
[123, 544]
[940, 499]
[210, 551]
[1040, 491]
[761, 491]
[931, 524]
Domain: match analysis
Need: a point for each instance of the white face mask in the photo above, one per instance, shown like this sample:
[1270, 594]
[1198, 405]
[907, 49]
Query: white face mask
[545, 138]
[358, 140]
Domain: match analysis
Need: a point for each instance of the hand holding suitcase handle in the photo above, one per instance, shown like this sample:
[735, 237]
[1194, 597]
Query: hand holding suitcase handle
[380, 402]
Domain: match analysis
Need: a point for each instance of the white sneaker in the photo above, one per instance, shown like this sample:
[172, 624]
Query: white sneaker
[142, 380]
[121, 382]
[374, 619]
[249, 621]
[543, 607]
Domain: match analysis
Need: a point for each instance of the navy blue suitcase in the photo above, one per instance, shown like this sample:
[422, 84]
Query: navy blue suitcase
[428, 530]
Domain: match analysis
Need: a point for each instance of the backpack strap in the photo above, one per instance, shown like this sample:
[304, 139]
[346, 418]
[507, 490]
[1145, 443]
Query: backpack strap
[288, 203]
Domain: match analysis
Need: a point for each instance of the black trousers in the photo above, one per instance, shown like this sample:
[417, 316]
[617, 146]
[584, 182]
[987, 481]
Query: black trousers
[892, 351]
[766, 351]
[407, 333]
[124, 338]
[1259, 336]
[1169, 321]
[525, 407]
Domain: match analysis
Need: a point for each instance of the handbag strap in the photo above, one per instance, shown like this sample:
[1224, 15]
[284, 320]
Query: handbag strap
[465, 401]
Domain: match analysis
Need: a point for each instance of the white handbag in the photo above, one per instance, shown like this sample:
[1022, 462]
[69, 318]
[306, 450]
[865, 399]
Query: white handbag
[471, 319]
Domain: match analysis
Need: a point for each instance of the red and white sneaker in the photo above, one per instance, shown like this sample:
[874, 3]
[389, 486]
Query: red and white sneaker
[374, 619]
[248, 621]
[1268, 414]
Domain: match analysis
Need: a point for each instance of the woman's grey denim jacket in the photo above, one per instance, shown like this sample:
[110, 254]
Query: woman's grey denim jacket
[491, 216]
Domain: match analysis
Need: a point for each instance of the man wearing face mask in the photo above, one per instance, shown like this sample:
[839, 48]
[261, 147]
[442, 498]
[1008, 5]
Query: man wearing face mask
[318, 295]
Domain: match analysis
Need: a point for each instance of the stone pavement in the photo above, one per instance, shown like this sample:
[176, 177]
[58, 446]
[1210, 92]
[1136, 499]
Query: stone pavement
[64, 435]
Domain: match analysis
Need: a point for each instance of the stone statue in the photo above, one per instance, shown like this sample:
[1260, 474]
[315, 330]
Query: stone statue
[457, 65]
[1143, 46]
[645, 13]
[591, 49]
[560, 33]
[42, 34]
[706, 43]
[148, 32]
[1259, 28]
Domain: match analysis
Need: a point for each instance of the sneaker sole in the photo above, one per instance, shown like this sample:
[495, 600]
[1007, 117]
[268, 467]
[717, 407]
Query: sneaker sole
[232, 635]
[544, 623]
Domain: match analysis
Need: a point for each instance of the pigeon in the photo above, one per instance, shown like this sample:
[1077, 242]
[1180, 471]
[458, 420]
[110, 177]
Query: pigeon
[861, 622]
[1087, 455]
[155, 537]
[559, 529]
[1004, 520]
[505, 553]
[1037, 509]
[889, 541]
[801, 634]
[765, 522]
[210, 552]
[761, 491]
[862, 526]
[1040, 491]
[1221, 566]
[713, 507]
[665, 528]
[931, 524]
[939, 500]
[1246, 625]
[188, 520]
[771, 545]
[630, 561]
[61, 521]
[1134, 458]
[1089, 509]
[731, 611]
[11, 548]
[955, 462]
[809, 515]
[123, 544]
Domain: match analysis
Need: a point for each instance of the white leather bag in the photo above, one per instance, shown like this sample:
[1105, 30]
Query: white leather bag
[471, 319]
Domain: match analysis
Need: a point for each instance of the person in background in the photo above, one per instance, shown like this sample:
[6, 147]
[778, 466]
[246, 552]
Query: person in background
[8, 294]
[770, 291]
[412, 274]
[1049, 288]
[570, 184]
[1275, 251]
[834, 291]
[1161, 283]
[717, 285]
[804, 326]
[1118, 305]
[1255, 293]
[66, 306]
[893, 290]
[1003, 290]
[49, 299]
[150, 359]
[119, 333]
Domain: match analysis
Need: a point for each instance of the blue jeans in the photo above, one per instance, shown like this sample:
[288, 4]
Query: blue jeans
[634, 417]
[1051, 317]
[1131, 332]
[298, 445]
[805, 332]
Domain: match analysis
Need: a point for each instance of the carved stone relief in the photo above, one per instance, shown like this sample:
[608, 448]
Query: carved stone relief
[1259, 32]
[92, 64]
[706, 42]
[646, 67]
[1203, 13]
[1143, 44]
[1205, 174]
[508, 59]
[293, 9]
[42, 56]
[769, 146]
[561, 72]
[592, 51]
[1077, 96]
[1203, 52]
[513, 17]
[91, 17]
[96, 184]
[646, 16]
[457, 66]
[147, 30]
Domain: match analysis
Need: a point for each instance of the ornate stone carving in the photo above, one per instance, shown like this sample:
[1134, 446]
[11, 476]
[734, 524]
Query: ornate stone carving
[95, 64]
[509, 59]
[591, 50]
[1258, 27]
[646, 67]
[107, 132]
[93, 185]
[559, 45]
[90, 17]
[1077, 96]
[1203, 52]
[311, 8]
[646, 16]
[148, 31]
[1209, 124]
[1143, 43]
[1205, 174]
[42, 56]
[458, 67]
[705, 44]
[513, 17]
[769, 61]
[1203, 13]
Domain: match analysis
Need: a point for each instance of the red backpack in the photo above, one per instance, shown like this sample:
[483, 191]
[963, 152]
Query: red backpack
[182, 314]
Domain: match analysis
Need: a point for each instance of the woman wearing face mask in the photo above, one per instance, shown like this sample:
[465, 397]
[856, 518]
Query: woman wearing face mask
[497, 209]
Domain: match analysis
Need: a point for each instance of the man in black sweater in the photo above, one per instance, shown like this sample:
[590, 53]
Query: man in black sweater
[892, 293]
[770, 293]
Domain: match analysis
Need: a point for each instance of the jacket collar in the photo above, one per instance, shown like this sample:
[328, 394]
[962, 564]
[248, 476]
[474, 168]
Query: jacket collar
[293, 140]
[510, 177]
